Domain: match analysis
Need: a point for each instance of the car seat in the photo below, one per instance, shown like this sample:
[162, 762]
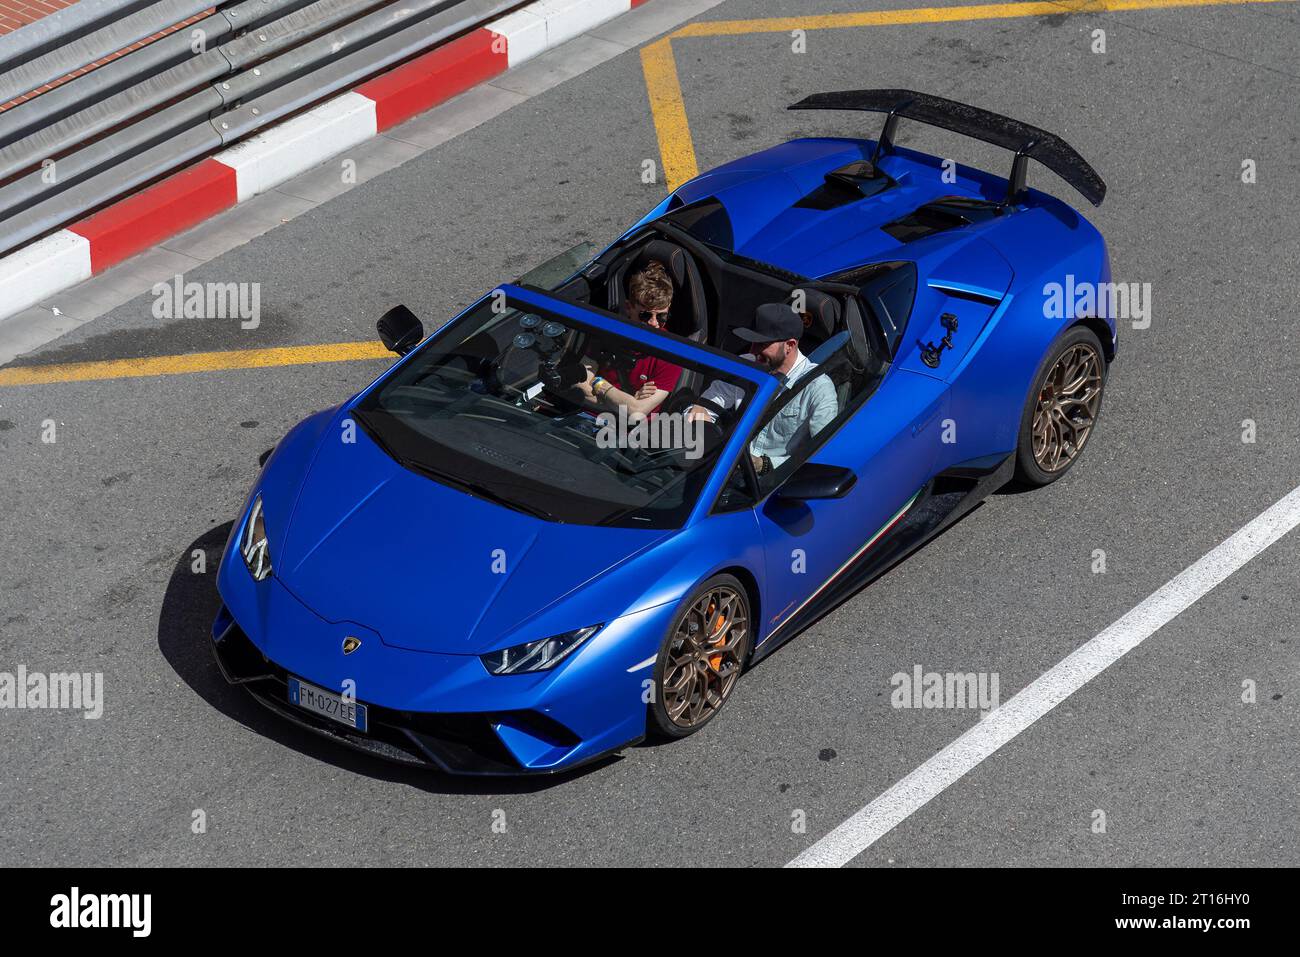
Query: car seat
[688, 316]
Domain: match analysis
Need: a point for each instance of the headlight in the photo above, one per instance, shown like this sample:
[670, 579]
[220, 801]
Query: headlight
[537, 655]
[253, 546]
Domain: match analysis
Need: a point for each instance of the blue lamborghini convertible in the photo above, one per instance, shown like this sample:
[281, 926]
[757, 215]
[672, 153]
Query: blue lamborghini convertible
[466, 567]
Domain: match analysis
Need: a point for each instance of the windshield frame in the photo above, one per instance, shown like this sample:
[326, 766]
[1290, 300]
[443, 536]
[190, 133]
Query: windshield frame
[698, 354]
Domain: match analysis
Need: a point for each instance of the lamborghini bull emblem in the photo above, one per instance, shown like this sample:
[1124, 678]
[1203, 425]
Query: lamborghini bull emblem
[351, 644]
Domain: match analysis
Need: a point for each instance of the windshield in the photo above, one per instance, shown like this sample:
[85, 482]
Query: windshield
[535, 411]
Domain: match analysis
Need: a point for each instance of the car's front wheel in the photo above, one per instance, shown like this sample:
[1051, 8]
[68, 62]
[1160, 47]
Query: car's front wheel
[1063, 407]
[701, 657]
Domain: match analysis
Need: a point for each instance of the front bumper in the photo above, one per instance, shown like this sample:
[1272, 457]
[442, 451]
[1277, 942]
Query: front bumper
[455, 743]
[438, 711]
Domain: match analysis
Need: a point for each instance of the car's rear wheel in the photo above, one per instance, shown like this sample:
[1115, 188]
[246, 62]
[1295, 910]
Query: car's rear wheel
[701, 658]
[1062, 409]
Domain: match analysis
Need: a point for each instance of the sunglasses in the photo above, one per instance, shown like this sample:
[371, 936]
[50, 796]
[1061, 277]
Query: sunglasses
[656, 316]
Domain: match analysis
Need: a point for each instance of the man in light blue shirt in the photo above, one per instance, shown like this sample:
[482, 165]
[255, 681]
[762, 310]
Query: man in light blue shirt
[774, 345]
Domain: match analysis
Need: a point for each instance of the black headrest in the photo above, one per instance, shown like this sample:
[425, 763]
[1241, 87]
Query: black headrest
[688, 317]
[821, 315]
[673, 257]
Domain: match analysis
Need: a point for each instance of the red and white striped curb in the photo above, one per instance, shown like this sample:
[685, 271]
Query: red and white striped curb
[263, 161]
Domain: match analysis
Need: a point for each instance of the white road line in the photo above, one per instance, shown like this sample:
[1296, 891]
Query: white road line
[1003, 724]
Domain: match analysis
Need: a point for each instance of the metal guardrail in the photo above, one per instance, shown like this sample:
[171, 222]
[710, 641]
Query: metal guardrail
[75, 54]
[103, 134]
[62, 27]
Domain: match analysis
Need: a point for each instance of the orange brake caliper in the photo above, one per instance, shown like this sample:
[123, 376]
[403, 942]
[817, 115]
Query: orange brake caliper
[715, 661]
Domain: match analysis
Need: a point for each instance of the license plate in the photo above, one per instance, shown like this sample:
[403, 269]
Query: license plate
[327, 704]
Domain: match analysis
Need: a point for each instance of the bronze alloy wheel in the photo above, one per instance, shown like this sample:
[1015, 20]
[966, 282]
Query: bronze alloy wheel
[704, 656]
[1067, 407]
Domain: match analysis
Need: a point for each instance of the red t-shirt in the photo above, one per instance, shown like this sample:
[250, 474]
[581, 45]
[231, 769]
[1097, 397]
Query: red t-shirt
[646, 369]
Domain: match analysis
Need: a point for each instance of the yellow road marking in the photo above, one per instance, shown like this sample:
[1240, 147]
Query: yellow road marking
[990, 11]
[676, 147]
[677, 150]
[193, 362]
[669, 112]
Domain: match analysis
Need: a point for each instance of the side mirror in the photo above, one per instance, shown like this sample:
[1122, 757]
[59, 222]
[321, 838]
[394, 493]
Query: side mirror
[813, 480]
[399, 330]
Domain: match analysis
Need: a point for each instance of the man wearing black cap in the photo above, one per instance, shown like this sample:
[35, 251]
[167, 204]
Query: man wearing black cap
[774, 345]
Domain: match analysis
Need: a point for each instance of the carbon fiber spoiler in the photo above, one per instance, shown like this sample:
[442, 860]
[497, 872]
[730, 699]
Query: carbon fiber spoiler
[1027, 142]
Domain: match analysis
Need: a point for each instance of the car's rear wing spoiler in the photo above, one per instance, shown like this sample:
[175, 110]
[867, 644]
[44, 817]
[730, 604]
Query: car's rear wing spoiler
[1027, 142]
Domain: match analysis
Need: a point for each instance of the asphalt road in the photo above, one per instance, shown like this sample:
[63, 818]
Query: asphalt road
[99, 527]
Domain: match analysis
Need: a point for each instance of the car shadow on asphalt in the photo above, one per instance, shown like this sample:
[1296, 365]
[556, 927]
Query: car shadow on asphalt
[185, 639]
